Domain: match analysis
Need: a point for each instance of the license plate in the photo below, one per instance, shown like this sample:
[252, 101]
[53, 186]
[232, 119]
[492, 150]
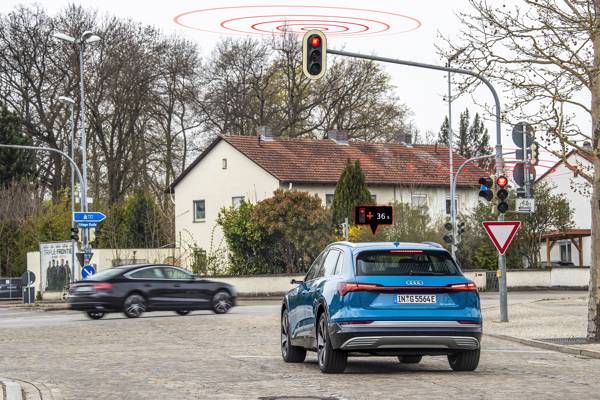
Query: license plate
[415, 299]
[83, 289]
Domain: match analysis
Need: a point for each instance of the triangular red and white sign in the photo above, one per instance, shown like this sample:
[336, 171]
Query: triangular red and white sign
[501, 233]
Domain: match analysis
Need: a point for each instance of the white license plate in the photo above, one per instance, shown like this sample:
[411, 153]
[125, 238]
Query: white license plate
[83, 289]
[415, 299]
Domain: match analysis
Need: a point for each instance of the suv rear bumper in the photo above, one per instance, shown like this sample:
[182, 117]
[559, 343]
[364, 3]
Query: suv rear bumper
[423, 336]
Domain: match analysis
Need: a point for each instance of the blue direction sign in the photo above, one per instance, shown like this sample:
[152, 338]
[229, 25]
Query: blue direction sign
[87, 270]
[92, 216]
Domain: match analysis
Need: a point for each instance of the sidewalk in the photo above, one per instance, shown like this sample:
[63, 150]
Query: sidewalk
[551, 320]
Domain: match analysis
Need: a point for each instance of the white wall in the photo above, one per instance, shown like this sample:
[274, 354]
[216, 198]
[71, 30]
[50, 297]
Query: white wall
[208, 181]
[525, 278]
[104, 258]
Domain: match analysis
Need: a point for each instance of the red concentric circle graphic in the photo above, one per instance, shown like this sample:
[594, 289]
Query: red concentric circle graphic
[297, 19]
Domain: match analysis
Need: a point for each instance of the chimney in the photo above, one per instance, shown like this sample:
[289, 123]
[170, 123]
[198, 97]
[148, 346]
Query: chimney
[338, 136]
[264, 133]
[404, 138]
[587, 145]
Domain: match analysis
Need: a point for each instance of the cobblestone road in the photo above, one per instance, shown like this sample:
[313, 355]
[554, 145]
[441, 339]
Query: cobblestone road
[236, 356]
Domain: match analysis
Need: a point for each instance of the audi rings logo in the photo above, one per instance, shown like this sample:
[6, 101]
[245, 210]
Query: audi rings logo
[414, 283]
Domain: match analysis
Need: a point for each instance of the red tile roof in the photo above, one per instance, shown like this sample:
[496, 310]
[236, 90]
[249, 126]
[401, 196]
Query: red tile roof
[322, 161]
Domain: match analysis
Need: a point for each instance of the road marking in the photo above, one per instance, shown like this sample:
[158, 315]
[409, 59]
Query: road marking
[243, 356]
[516, 351]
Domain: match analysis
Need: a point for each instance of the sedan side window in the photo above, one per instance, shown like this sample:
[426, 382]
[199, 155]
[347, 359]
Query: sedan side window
[175, 273]
[148, 273]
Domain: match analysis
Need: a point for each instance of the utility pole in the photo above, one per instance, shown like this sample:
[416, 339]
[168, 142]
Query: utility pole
[71, 103]
[86, 38]
[498, 155]
[451, 156]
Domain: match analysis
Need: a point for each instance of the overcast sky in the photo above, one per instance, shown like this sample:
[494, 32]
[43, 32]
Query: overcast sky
[408, 29]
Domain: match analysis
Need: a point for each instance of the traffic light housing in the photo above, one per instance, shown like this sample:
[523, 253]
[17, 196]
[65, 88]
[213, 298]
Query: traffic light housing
[534, 153]
[502, 194]
[75, 233]
[449, 237]
[485, 188]
[314, 54]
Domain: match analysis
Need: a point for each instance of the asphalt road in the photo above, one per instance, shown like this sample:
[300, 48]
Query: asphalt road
[236, 356]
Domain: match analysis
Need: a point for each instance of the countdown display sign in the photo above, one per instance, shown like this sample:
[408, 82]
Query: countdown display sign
[373, 216]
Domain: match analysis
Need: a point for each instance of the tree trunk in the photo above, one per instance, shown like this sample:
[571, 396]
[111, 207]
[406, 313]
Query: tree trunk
[594, 286]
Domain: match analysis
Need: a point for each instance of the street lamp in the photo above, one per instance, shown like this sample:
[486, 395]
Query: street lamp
[450, 155]
[71, 103]
[86, 37]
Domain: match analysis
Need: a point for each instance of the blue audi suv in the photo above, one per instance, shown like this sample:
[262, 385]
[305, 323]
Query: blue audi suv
[405, 300]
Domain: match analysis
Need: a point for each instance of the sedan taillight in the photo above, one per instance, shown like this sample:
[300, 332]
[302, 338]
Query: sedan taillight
[102, 286]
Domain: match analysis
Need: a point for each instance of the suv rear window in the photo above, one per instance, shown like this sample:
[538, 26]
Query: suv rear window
[405, 262]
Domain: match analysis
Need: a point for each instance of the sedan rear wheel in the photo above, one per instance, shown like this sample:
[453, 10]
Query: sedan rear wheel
[291, 354]
[134, 305]
[331, 361]
[95, 314]
[221, 302]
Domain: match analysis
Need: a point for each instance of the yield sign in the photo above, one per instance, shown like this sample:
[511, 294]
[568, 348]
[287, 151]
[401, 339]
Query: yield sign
[501, 233]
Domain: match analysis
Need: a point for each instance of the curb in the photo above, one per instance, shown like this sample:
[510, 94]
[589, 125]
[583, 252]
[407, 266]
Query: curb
[547, 346]
[12, 390]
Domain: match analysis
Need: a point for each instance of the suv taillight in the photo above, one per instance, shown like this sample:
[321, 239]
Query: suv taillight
[345, 287]
[463, 286]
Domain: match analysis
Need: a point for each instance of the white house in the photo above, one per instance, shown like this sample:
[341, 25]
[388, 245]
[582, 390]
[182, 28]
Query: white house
[575, 244]
[233, 168]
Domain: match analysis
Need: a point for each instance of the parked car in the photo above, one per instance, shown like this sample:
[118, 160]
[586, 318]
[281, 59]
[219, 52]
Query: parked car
[135, 289]
[404, 300]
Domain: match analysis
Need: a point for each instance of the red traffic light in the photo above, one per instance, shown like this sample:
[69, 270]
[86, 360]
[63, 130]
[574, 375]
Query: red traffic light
[502, 181]
[315, 41]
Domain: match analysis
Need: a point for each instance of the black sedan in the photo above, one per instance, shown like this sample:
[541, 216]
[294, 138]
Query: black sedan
[135, 289]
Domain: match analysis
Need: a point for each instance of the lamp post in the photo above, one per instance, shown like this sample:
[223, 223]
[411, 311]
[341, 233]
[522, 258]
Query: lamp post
[451, 156]
[86, 38]
[69, 101]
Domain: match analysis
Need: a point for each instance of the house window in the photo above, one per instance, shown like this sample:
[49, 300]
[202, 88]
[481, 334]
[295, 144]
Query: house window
[199, 210]
[328, 200]
[236, 201]
[448, 211]
[418, 200]
[224, 163]
[374, 198]
[565, 252]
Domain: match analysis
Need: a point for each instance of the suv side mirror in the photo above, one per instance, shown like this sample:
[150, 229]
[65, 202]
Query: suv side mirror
[296, 282]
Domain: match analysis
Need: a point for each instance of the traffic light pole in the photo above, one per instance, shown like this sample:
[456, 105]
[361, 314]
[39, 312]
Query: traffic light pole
[79, 176]
[498, 155]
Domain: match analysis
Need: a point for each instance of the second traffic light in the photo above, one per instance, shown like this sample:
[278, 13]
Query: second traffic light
[75, 234]
[485, 188]
[314, 54]
[502, 194]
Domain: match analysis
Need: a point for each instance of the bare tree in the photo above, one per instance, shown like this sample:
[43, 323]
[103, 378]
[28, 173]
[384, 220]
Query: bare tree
[546, 54]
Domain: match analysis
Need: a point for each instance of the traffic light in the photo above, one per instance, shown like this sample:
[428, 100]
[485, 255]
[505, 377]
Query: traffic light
[534, 153]
[314, 54]
[502, 194]
[460, 228]
[75, 234]
[485, 186]
[449, 237]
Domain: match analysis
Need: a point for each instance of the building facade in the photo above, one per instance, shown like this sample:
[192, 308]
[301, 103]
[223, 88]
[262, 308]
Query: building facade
[251, 168]
[574, 245]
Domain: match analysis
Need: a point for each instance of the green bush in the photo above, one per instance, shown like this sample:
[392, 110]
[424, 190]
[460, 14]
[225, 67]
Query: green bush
[281, 234]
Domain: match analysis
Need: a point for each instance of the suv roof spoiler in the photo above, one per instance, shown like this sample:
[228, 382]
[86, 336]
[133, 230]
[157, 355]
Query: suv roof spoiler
[434, 244]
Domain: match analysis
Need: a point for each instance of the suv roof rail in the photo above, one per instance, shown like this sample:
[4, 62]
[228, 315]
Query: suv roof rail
[434, 244]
